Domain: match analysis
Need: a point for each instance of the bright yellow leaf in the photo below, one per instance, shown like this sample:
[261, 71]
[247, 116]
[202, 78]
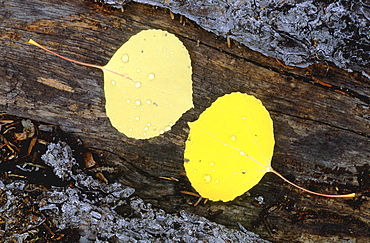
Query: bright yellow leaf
[229, 148]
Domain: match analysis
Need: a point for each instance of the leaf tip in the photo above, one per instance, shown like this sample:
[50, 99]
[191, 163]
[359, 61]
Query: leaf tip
[30, 41]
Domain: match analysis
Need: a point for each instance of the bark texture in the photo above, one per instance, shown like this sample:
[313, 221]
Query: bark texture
[320, 113]
[298, 32]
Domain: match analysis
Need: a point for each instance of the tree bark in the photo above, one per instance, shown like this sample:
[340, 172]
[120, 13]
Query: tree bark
[320, 113]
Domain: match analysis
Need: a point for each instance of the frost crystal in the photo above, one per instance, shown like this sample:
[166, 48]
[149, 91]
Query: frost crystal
[59, 156]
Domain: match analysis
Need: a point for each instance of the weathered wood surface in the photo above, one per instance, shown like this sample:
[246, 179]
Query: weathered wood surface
[321, 115]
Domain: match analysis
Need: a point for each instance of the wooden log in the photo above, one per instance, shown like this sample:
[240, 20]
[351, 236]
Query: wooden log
[321, 116]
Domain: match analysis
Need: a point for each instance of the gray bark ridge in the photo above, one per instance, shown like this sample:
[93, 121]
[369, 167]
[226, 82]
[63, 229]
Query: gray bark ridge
[297, 32]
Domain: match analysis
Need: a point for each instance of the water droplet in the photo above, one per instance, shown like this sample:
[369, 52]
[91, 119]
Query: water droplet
[128, 101]
[195, 171]
[164, 49]
[146, 128]
[130, 129]
[138, 102]
[137, 118]
[242, 153]
[207, 178]
[244, 118]
[129, 119]
[151, 76]
[171, 124]
[167, 128]
[138, 70]
[148, 124]
[171, 52]
[212, 164]
[154, 128]
[233, 138]
[148, 102]
[217, 181]
[125, 58]
[144, 133]
[113, 82]
[168, 56]
[137, 84]
[141, 109]
[161, 131]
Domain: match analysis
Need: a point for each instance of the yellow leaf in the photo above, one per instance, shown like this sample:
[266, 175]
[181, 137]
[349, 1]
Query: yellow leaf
[229, 148]
[159, 88]
[147, 83]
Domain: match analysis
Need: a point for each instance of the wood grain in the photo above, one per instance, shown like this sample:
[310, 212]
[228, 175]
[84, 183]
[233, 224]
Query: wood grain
[321, 115]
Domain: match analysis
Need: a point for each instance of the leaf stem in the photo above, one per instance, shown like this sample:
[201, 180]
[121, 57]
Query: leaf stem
[306, 190]
[30, 41]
